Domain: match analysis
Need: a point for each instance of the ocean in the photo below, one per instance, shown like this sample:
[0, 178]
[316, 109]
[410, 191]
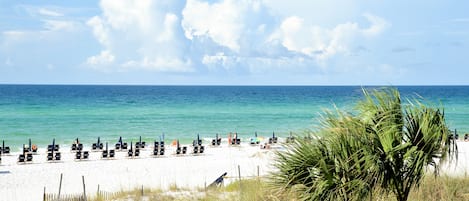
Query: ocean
[65, 112]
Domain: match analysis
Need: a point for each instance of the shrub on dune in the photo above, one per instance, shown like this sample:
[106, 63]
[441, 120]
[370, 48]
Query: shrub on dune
[383, 147]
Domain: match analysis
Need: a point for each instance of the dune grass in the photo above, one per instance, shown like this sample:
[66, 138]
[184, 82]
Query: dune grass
[431, 189]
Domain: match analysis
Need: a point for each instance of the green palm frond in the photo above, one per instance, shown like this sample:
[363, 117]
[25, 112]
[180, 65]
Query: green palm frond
[385, 147]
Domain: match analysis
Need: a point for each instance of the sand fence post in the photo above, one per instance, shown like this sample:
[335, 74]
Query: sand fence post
[239, 177]
[84, 189]
[44, 195]
[142, 190]
[97, 192]
[60, 184]
[258, 175]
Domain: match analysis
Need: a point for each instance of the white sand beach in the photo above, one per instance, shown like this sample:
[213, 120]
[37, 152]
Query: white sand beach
[27, 181]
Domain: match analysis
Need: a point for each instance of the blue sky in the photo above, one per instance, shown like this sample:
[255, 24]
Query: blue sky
[235, 42]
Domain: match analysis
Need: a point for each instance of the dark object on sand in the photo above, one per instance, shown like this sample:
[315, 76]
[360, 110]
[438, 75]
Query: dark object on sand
[273, 139]
[98, 145]
[219, 181]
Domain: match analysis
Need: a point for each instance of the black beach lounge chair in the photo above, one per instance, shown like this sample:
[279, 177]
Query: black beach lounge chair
[140, 144]
[273, 139]
[105, 152]
[74, 147]
[201, 149]
[184, 150]
[57, 156]
[161, 151]
[78, 155]
[21, 158]
[195, 150]
[97, 145]
[215, 142]
[119, 144]
[29, 157]
[50, 156]
[155, 148]
[111, 153]
[86, 154]
[178, 150]
[130, 153]
[137, 152]
[5, 150]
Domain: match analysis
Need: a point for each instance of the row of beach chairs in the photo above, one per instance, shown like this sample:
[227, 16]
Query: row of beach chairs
[198, 148]
[158, 148]
[53, 153]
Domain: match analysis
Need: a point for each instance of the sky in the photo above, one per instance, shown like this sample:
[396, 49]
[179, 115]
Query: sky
[235, 42]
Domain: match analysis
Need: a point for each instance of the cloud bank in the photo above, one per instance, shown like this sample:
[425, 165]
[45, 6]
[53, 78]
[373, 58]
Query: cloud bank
[225, 35]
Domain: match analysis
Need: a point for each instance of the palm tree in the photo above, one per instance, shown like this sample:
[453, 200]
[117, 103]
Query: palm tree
[384, 146]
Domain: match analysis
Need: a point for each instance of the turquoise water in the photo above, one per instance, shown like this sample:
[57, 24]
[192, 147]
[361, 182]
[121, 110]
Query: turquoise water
[44, 112]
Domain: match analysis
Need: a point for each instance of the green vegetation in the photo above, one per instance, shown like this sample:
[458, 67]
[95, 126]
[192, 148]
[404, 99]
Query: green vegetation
[430, 189]
[384, 148]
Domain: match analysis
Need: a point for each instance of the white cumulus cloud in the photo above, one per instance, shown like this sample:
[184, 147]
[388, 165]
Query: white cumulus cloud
[228, 23]
[322, 43]
[141, 35]
[104, 58]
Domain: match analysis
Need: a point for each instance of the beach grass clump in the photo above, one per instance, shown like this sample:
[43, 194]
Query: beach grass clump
[442, 188]
[431, 188]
